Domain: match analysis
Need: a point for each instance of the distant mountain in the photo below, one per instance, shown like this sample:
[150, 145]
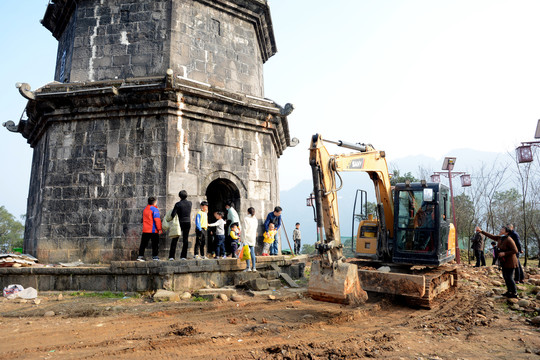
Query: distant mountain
[293, 201]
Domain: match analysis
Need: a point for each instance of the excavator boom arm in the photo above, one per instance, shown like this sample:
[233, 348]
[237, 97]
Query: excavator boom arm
[326, 167]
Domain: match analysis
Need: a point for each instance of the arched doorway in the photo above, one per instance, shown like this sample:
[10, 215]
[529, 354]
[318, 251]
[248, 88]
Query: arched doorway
[218, 193]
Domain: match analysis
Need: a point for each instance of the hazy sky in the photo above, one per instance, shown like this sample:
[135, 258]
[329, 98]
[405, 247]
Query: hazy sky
[410, 77]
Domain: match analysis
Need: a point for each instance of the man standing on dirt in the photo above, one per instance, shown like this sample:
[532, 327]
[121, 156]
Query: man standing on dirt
[519, 276]
[478, 247]
[274, 217]
[183, 210]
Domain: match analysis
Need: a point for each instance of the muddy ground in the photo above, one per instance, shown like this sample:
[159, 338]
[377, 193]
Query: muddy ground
[474, 324]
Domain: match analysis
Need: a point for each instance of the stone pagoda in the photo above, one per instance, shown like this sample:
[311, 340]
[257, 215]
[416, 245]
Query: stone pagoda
[150, 97]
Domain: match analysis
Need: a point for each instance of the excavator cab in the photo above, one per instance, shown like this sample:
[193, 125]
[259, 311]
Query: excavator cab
[423, 234]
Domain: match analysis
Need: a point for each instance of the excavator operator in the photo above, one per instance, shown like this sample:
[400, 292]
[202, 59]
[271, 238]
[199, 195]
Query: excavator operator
[424, 222]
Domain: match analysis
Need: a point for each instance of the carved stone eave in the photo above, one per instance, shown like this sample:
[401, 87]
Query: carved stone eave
[57, 16]
[155, 95]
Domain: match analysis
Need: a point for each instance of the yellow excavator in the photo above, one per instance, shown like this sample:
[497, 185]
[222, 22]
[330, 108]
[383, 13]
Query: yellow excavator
[404, 251]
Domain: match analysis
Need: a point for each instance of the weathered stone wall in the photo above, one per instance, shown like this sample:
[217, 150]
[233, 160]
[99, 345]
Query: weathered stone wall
[223, 43]
[216, 47]
[101, 150]
[115, 39]
[95, 174]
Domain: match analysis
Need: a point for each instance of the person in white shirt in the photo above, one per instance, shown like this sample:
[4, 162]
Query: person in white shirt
[220, 234]
[297, 237]
[250, 237]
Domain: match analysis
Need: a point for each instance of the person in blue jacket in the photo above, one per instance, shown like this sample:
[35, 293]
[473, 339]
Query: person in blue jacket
[274, 217]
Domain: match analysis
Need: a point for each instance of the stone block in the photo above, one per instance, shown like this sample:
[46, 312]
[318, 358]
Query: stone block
[165, 295]
[208, 297]
[274, 284]
[63, 283]
[270, 274]
[258, 284]
[242, 278]
[95, 283]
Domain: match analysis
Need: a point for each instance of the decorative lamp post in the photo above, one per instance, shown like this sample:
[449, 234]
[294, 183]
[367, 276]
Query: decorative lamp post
[448, 165]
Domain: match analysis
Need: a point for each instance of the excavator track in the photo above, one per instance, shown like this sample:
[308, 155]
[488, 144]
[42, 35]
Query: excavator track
[417, 286]
[441, 283]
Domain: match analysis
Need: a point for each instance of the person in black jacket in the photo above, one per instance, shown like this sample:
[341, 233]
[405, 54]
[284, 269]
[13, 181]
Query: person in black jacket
[478, 247]
[519, 275]
[183, 210]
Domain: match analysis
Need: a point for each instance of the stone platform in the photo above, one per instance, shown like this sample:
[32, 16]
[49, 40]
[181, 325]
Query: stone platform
[133, 276]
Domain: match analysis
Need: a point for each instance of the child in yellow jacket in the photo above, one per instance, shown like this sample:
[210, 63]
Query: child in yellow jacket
[235, 239]
[269, 237]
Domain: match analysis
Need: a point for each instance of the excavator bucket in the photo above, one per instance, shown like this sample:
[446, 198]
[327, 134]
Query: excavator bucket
[338, 283]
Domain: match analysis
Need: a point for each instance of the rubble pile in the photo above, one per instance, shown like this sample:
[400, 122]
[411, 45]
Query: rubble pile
[15, 260]
[488, 281]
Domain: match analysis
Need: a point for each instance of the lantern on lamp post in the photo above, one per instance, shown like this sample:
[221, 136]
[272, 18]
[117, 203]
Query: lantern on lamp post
[524, 152]
[465, 180]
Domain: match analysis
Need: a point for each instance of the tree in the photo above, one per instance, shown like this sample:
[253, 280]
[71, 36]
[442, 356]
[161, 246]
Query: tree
[308, 249]
[506, 207]
[465, 217]
[397, 178]
[11, 231]
[425, 173]
[489, 180]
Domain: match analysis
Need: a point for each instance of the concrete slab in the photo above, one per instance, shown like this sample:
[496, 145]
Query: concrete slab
[288, 280]
[226, 291]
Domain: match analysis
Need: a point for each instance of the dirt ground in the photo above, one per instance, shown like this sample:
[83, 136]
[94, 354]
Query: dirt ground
[474, 324]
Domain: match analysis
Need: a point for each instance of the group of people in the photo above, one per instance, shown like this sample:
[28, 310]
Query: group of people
[225, 236]
[506, 248]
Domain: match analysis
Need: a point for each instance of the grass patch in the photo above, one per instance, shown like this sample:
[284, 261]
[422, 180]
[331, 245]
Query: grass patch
[198, 298]
[103, 295]
[307, 272]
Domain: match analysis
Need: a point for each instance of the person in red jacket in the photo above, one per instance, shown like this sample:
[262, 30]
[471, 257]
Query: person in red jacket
[151, 229]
